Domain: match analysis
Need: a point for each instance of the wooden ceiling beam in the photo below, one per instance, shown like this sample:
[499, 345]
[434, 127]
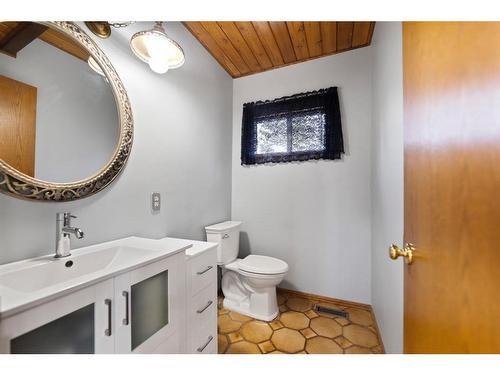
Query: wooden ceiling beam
[20, 36]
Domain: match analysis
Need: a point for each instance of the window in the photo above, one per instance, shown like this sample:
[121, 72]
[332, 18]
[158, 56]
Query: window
[294, 128]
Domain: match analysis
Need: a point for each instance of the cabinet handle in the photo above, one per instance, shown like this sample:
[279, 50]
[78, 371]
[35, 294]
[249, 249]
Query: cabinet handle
[205, 270]
[202, 348]
[206, 307]
[126, 321]
[107, 331]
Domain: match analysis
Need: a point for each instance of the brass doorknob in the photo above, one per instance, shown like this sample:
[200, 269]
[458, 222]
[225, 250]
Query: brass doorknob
[395, 252]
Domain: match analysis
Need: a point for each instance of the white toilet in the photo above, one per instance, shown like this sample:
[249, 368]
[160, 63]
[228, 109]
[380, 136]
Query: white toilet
[249, 284]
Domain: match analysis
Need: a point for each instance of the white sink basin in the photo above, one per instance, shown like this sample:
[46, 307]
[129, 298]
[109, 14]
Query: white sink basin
[33, 281]
[55, 271]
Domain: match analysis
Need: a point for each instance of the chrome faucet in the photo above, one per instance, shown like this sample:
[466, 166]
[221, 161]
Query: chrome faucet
[63, 232]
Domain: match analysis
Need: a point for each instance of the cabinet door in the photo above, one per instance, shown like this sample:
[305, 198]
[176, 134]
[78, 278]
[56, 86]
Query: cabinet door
[79, 323]
[149, 301]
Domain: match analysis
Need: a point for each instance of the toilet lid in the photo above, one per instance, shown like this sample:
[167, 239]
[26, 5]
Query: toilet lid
[262, 264]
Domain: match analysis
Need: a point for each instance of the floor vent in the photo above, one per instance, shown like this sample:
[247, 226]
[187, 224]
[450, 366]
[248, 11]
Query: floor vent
[330, 311]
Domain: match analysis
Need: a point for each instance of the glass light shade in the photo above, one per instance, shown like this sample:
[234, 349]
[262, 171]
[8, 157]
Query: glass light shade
[95, 66]
[155, 48]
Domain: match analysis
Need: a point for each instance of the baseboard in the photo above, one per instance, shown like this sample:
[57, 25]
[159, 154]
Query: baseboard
[341, 303]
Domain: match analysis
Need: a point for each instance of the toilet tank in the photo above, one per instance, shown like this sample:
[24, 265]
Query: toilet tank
[227, 235]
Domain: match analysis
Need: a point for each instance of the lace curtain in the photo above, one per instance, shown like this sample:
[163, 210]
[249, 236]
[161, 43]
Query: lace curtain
[293, 128]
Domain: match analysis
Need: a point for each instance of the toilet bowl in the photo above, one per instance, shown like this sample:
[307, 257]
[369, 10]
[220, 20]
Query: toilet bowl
[248, 284]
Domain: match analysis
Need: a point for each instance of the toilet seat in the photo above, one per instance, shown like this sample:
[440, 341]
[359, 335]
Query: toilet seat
[261, 264]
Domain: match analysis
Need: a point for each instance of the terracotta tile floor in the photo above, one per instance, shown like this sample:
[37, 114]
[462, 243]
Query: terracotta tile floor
[298, 329]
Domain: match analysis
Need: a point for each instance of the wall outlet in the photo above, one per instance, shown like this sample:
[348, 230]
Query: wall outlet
[155, 202]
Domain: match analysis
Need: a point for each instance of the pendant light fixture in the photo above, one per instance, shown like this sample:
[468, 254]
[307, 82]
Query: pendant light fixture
[155, 48]
[95, 66]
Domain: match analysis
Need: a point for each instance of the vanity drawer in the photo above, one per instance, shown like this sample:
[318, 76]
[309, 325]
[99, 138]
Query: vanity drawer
[203, 307]
[204, 340]
[202, 271]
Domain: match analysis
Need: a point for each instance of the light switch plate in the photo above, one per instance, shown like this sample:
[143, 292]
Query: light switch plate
[155, 202]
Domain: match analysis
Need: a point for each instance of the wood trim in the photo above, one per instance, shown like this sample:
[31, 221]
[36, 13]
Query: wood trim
[340, 302]
[20, 36]
[377, 329]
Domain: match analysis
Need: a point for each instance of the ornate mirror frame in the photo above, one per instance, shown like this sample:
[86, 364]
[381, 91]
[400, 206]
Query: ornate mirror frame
[19, 185]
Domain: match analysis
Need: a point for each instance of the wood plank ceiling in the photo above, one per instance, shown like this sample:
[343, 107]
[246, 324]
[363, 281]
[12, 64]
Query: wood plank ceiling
[244, 48]
[14, 36]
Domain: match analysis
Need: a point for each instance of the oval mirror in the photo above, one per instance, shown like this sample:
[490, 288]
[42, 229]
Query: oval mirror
[65, 119]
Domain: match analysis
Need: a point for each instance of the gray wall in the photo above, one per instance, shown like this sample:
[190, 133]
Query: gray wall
[182, 148]
[75, 112]
[314, 215]
[387, 182]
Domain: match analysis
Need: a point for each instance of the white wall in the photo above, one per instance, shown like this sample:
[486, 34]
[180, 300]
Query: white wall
[387, 182]
[75, 111]
[182, 148]
[315, 215]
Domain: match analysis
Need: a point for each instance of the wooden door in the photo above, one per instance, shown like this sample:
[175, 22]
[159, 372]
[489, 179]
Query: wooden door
[452, 186]
[18, 124]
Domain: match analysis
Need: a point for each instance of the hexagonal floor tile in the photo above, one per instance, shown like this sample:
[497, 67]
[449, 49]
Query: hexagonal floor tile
[294, 320]
[256, 331]
[243, 347]
[326, 327]
[227, 325]
[357, 350]
[239, 317]
[288, 340]
[360, 336]
[299, 304]
[322, 345]
[359, 316]
[222, 343]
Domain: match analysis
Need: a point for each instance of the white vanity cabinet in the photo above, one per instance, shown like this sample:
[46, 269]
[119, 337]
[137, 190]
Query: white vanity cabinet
[139, 311]
[149, 307]
[80, 322]
[201, 281]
